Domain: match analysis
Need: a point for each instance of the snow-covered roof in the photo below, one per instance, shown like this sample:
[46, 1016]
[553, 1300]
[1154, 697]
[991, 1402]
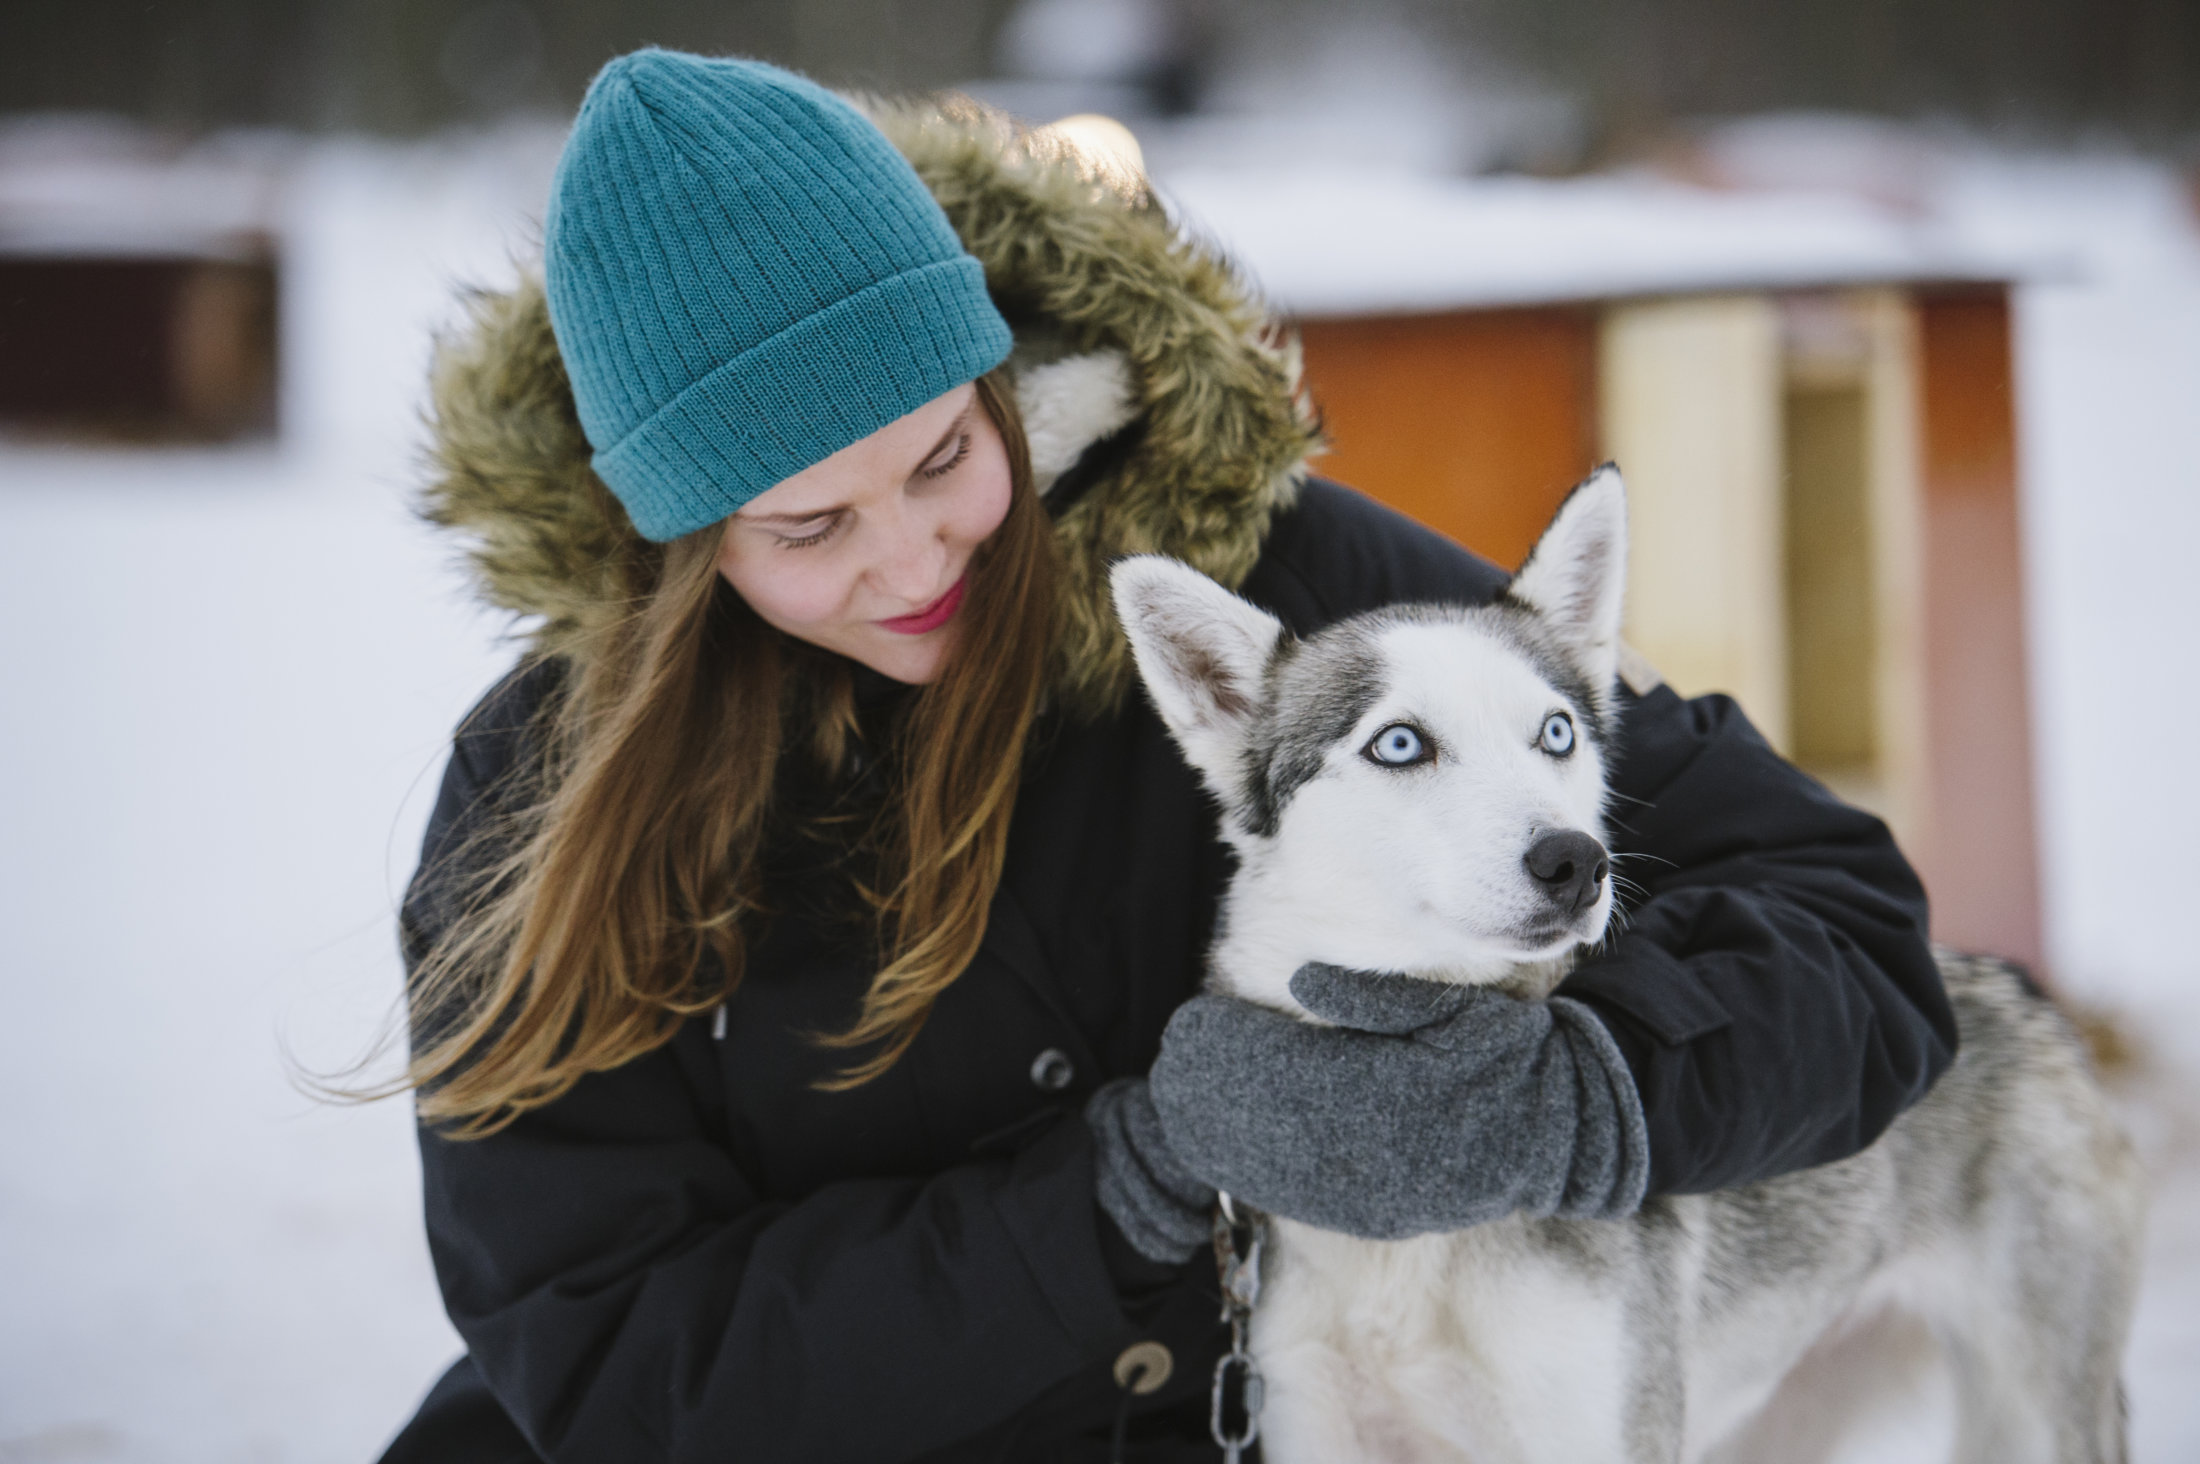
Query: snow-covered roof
[1327, 244]
[107, 190]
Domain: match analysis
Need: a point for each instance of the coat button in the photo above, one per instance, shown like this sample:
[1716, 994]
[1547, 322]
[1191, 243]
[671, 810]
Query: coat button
[1051, 1070]
[1143, 1367]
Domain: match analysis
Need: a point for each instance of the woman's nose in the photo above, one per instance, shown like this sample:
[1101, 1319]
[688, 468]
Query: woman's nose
[913, 557]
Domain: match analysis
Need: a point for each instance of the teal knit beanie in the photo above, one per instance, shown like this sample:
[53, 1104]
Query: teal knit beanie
[744, 278]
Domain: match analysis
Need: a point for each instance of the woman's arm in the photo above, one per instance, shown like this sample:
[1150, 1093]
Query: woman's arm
[1771, 987]
[628, 1296]
[628, 1293]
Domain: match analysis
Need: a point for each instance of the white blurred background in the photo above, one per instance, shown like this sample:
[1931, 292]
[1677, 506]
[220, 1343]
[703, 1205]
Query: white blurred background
[230, 659]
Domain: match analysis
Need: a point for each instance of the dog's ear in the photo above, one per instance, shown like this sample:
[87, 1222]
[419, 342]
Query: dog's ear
[1202, 653]
[1576, 576]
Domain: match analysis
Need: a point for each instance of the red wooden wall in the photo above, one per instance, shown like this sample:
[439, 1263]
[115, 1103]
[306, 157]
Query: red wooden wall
[1477, 422]
[1474, 422]
[1979, 855]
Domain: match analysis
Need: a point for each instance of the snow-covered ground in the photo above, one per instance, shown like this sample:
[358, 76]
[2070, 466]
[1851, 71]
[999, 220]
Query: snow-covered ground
[229, 680]
[229, 674]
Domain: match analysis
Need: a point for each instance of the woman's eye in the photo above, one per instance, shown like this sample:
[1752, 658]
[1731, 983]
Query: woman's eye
[942, 469]
[1558, 734]
[1397, 745]
[818, 535]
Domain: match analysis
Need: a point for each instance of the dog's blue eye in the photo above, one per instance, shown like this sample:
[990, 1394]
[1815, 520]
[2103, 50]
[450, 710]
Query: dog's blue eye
[1397, 745]
[1558, 734]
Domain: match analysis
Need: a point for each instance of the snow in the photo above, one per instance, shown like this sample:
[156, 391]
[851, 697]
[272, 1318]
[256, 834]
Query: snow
[231, 674]
[2108, 411]
[2108, 378]
[87, 186]
[1354, 242]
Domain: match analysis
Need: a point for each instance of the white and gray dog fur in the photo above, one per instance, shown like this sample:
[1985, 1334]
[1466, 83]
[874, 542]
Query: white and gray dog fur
[2002, 1211]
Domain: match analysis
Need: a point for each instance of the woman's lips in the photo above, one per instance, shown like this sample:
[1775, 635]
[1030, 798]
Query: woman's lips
[932, 616]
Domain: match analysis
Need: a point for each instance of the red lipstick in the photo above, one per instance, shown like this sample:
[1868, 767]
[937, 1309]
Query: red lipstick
[932, 616]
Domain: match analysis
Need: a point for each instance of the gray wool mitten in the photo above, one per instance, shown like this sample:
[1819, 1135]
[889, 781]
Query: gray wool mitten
[1428, 1107]
[1160, 1206]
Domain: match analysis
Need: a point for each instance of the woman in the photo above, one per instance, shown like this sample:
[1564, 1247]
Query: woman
[797, 924]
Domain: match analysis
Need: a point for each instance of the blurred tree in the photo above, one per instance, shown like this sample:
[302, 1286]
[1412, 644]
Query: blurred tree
[1634, 66]
[2053, 66]
[410, 65]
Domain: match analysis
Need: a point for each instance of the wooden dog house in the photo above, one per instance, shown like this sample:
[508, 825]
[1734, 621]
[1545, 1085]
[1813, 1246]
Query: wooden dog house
[1818, 434]
[138, 291]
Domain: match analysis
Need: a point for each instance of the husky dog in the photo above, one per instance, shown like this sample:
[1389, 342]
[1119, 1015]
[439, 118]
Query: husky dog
[2002, 1211]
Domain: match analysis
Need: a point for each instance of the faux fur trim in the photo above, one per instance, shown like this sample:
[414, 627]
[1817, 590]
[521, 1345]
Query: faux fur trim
[1070, 404]
[1217, 439]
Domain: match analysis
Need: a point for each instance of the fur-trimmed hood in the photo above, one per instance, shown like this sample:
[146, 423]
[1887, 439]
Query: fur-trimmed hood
[1125, 330]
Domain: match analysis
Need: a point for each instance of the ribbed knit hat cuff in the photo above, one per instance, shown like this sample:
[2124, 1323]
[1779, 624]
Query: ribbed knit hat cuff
[800, 396]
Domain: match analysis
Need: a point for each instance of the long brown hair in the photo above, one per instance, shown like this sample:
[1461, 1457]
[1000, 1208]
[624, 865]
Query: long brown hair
[579, 918]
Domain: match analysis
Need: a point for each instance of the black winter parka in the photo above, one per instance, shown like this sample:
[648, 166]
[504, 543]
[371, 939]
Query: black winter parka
[699, 1256]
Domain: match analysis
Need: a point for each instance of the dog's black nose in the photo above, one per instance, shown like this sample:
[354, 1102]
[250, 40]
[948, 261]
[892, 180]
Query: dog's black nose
[1569, 868]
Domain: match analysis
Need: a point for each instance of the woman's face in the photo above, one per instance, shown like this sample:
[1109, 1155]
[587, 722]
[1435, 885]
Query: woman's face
[865, 553]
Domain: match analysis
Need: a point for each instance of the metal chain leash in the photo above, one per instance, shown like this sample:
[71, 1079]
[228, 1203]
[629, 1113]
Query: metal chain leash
[1240, 1235]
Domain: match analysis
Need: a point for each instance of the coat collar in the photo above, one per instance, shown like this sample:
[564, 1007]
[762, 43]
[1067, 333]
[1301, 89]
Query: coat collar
[1126, 329]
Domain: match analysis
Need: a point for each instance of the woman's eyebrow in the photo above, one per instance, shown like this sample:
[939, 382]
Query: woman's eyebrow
[954, 428]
